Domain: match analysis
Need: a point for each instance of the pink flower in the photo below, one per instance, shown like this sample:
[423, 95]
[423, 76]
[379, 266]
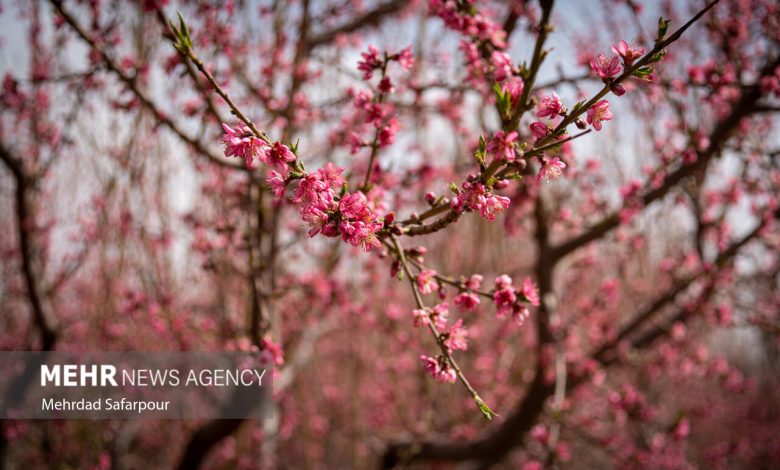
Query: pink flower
[370, 62]
[551, 169]
[503, 281]
[493, 206]
[278, 155]
[276, 181]
[330, 174]
[514, 86]
[627, 53]
[456, 337]
[604, 67]
[504, 299]
[438, 369]
[375, 113]
[315, 199]
[241, 142]
[406, 58]
[431, 365]
[474, 282]
[530, 292]
[363, 99]
[549, 106]
[447, 375]
[476, 198]
[386, 85]
[421, 317]
[599, 112]
[355, 142]
[361, 233]
[352, 205]
[520, 314]
[467, 301]
[440, 313]
[426, 281]
[502, 66]
[271, 352]
[539, 129]
[386, 135]
[502, 146]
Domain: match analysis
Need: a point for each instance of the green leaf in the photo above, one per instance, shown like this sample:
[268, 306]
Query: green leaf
[454, 188]
[658, 56]
[643, 72]
[485, 409]
[479, 154]
[185, 32]
[663, 28]
[577, 106]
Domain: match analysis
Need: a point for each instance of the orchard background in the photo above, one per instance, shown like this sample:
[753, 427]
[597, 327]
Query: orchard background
[477, 234]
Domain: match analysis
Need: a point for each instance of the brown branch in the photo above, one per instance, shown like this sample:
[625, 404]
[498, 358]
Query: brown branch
[24, 220]
[743, 108]
[369, 18]
[131, 83]
[494, 447]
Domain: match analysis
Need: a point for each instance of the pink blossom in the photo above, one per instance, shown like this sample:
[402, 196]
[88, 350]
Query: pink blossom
[504, 299]
[352, 205]
[502, 146]
[271, 352]
[406, 58]
[440, 314]
[514, 86]
[539, 129]
[551, 169]
[502, 66]
[386, 85]
[241, 142]
[431, 365]
[363, 99]
[330, 174]
[476, 197]
[421, 317]
[355, 142]
[375, 113]
[467, 301]
[493, 206]
[386, 134]
[520, 314]
[503, 281]
[605, 68]
[530, 292]
[276, 181]
[628, 53]
[456, 337]
[426, 281]
[439, 369]
[549, 106]
[370, 62]
[474, 282]
[278, 155]
[599, 112]
[361, 233]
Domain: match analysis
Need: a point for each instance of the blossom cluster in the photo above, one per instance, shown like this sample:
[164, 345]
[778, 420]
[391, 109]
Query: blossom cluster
[476, 197]
[332, 214]
[507, 299]
[373, 105]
